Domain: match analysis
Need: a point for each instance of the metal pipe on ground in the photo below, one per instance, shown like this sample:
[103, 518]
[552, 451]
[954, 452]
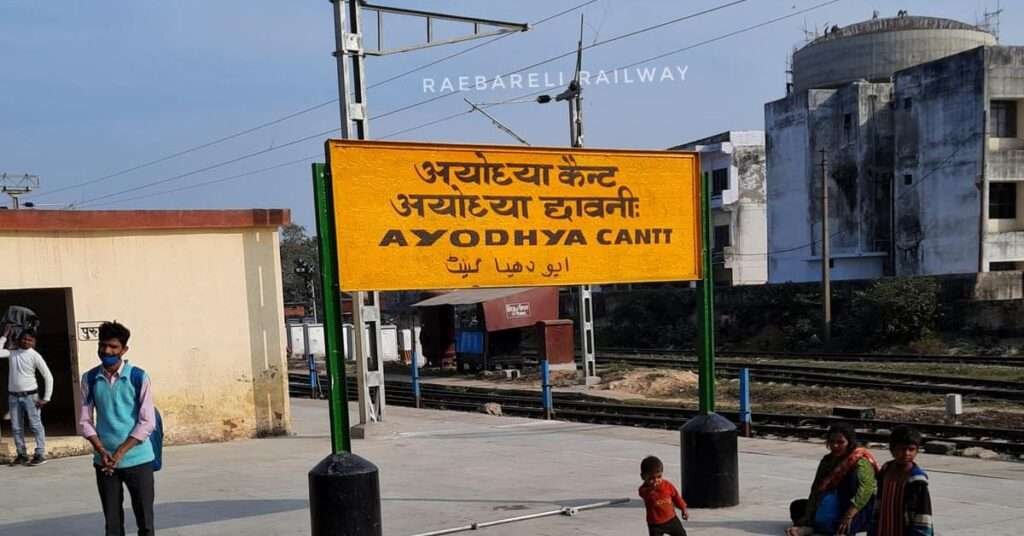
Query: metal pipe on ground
[565, 510]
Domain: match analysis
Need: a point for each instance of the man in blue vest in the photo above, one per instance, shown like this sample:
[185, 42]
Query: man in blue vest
[119, 432]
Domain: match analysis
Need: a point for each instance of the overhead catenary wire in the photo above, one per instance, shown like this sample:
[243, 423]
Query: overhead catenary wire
[527, 97]
[187, 151]
[201, 170]
[570, 53]
[292, 115]
[427, 101]
[220, 180]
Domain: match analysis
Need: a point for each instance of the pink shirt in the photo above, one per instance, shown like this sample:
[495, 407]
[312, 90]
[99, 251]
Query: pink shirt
[147, 418]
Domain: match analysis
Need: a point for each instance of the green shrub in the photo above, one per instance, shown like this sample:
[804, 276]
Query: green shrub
[892, 311]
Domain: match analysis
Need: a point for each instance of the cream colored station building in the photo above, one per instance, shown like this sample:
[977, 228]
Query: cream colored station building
[200, 291]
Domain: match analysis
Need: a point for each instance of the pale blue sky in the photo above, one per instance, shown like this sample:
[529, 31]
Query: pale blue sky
[91, 88]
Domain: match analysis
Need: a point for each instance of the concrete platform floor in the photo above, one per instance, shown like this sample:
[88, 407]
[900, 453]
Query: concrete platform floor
[443, 469]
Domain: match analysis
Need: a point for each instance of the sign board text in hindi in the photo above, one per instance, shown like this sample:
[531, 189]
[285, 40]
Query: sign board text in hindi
[433, 216]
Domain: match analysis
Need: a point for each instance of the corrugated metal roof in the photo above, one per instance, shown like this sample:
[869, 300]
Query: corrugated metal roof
[470, 296]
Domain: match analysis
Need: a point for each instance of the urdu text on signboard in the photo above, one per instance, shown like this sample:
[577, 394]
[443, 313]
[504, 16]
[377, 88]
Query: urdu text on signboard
[417, 216]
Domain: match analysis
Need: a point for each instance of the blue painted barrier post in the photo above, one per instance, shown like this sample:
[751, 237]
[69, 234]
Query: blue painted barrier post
[745, 426]
[545, 380]
[310, 361]
[415, 377]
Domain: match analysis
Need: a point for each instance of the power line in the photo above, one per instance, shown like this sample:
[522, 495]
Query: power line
[299, 112]
[570, 53]
[427, 101]
[207, 168]
[189, 150]
[220, 180]
[521, 98]
[730, 34]
[526, 96]
[427, 124]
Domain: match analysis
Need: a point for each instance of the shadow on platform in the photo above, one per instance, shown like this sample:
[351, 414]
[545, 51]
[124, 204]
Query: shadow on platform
[168, 516]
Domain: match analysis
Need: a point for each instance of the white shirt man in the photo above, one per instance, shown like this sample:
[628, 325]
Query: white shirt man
[23, 395]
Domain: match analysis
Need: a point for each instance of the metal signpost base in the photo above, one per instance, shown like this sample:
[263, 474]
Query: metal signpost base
[708, 442]
[344, 496]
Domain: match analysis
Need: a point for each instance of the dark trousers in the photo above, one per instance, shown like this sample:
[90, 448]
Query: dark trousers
[139, 480]
[671, 528]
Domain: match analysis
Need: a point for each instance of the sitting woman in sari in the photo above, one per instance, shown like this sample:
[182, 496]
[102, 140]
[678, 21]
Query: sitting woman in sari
[843, 492]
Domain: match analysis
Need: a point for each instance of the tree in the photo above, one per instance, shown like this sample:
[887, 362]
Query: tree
[297, 246]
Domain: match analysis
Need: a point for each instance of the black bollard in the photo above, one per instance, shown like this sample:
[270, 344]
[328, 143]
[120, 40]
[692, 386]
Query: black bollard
[344, 497]
[710, 462]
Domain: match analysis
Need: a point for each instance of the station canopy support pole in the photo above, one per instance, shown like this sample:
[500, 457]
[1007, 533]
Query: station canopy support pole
[708, 442]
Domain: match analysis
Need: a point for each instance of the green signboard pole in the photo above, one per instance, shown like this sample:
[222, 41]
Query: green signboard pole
[708, 442]
[340, 440]
[344, 489]
[706, 301]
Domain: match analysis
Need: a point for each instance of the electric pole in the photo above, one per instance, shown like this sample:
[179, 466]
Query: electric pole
[17, 184]
[826, 256]
[574, 96]
[351, 52]
[344, 489]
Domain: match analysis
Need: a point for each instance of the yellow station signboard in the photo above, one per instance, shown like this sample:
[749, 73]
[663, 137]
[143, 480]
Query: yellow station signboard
[418, 216]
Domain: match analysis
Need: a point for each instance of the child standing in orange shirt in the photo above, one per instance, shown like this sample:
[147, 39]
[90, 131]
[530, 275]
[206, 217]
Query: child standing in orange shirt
[661, 499]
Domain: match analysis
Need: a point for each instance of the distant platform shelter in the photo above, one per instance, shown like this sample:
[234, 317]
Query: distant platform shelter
[199, 289]
[484, 328]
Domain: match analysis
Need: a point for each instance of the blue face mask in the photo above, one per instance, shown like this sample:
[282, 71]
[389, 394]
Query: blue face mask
[109, 360]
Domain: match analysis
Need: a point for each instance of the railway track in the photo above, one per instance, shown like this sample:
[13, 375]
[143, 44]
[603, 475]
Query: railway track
[1008, 361]
[835, 377]
[583, 408]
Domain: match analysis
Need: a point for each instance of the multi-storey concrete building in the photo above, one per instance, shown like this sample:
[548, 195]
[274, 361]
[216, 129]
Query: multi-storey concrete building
[959, 164]
[734, 162]
[914, 122]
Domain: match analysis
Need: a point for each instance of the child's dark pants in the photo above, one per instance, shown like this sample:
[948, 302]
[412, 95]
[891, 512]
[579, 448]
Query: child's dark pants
[669, 528]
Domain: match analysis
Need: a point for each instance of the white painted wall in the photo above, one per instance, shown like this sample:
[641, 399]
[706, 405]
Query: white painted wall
[746, 256]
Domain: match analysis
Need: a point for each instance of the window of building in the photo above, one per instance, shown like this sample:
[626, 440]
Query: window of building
[907, 103]
[721, 238]
[908, 179]
[1002, 201]
[1003, 119]
[847, 125]
[719, 181]
[1002, 266]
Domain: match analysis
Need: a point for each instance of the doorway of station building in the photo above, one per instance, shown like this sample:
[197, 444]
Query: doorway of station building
[55, 342]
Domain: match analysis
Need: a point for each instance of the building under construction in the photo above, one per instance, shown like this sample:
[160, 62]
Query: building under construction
[914, 122]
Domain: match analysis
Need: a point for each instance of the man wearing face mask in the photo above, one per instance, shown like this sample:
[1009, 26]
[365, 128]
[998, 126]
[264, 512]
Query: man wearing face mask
[122, 400]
